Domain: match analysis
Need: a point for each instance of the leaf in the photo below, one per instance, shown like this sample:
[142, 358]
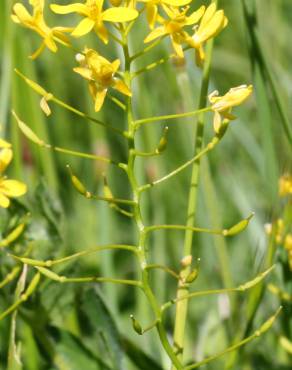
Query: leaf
[101, 324]
[142, 360]
[71, 354]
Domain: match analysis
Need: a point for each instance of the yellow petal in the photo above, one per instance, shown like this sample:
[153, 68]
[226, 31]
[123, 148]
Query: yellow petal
[50, 43]
[4, 144]
[158, 32]
[195, 16]
[115, 65]
[234, 97]
[6, 155]
[121, 87]
[177, 46]
[4, 201]
[210, 11]
[176, 2]
[84, 27]
[212, 28]
[84, 72]
[151, 14]
[101, 32]
[217, 122]
[72, 8]
[12, 188]
[38, 52]
[99, 99]
[119, 14]
[21, 13]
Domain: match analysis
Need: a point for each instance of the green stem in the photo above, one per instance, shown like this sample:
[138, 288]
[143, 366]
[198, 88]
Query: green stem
[143, 121]
[137, 216]
[181, 308]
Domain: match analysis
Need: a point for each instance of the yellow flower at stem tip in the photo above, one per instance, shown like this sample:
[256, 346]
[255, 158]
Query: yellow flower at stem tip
[222, 105]
[8, 188]
[212, 22]
[95, 16]
[174, 27]
[37, 23]
[100, 74]
[152, 8]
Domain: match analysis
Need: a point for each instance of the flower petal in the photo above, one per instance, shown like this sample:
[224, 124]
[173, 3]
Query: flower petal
[210, 11]
[84, 27]
[195, 16]
[21, 13]
[121, 87]
[84, 72]
[99, 99]
[119, 14]
[4, 144]
[4, 201]
[177, 2]
[151, 14]
[157, 32]
[6, 155]
[101, 32]
[72, 8]
[12, 188]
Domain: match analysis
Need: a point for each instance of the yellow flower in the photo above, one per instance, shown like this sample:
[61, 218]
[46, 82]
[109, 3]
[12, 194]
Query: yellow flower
[285, 185]
[222, 105]
[152, 8]
[95, 16]
[37, 23]
[8, 188]
[174, 27]
[100, 74]
[211, 24]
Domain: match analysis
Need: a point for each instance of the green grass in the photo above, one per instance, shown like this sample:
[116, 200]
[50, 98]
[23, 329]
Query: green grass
[76, 331]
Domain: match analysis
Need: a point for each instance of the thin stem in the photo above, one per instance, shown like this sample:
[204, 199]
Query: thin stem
[39, 90]
[86, 116]
[241, 288]
[265, 327]
[144, 121]
[146, 49]
[117, 102]
[182, 289]
[164, 268]
[137, 216]
[183, 227]
[82, 155]
[49, 263]
[64, 279]
[216, 139]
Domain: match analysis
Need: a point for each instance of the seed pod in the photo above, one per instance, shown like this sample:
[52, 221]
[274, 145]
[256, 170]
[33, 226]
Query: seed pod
[136, 326]
[236, 229]
[33, 284]
[15, 233]
[36, 87]
[50, 274]
[27, 131]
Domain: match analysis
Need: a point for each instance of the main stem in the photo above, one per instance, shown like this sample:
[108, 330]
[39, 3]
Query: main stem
[183, 289]
[137, 216]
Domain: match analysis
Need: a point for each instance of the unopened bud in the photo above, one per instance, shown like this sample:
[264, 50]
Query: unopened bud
[163, 141]
[186, 261]
[192, 276]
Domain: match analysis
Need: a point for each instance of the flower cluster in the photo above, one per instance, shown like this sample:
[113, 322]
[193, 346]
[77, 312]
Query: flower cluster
[8, 188]
[100, 74]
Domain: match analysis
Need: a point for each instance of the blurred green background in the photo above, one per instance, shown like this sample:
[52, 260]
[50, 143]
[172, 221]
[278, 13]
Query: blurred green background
[239, 176]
